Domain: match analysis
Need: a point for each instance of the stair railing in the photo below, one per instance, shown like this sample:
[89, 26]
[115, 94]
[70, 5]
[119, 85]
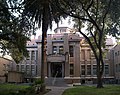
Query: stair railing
[53, 82]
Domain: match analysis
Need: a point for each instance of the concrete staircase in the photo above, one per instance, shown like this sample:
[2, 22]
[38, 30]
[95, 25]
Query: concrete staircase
[60, 82]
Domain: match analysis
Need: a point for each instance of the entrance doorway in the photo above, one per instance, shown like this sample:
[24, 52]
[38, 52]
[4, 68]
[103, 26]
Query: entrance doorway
[56, 70]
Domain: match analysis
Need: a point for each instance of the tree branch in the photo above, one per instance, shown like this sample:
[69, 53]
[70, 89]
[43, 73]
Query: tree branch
[90, 5]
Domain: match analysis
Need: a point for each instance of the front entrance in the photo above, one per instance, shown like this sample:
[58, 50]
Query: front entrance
[56, 69]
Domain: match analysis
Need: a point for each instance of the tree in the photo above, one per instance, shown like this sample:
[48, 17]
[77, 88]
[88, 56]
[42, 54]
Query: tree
[100, 17]
[41, 13]
[12, 38]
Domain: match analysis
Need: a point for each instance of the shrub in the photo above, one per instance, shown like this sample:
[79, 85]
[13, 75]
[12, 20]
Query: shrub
[38, 81]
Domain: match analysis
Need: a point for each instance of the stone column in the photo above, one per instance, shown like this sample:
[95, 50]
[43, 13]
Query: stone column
[66, 54]
[63, 70]
[49, 69]
[76, 60]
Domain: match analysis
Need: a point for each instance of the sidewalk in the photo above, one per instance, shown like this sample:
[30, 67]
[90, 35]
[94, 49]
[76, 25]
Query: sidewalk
[56, 90]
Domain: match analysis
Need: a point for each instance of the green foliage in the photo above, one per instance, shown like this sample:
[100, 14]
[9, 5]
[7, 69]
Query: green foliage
[13, 36]
[38, 81]
[99, 19]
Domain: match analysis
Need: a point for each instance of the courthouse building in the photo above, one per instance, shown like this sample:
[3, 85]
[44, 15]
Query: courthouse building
[68, 56]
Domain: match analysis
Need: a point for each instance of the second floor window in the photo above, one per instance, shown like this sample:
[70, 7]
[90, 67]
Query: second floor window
[33, 55]
[28, 58]
[61, 50]
[71, 51]
[54, 49]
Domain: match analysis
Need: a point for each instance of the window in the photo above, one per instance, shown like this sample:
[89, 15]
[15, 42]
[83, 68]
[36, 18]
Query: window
[54, 49]
[82, 69]
[37, 55]
[115, 53]
[82, 54]
[28, 58]
[88, 54]
[94, 69]
[71, 51]
[71, 69]
[17, 67]
[33, 55]
[88, 69]
[54, 38]
[33, 70]
[27, 69]
[22, 68]
[106, 69]
[61, 49]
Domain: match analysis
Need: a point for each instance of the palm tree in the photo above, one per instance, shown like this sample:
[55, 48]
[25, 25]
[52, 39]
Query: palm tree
[41, 12]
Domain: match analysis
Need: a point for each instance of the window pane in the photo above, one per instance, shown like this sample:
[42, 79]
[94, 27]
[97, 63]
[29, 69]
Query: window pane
[61, 49]
[17, 67]
[22, 68]
[33, 55]
[71, 69]
[33, 70]
[83, 69]
[88, 54]
[82, 54]
[88, 69]
[106, 69]
[54, 49]
[27, 69]
[71, 51]
[37, 55]
[28, 58]
[94, 69]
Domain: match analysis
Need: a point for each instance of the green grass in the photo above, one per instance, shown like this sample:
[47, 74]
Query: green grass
[92, 90]
[12, 89]
[13, 86]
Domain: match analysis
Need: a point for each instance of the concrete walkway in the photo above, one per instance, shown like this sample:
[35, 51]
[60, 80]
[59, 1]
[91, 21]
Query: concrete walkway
[56, 90]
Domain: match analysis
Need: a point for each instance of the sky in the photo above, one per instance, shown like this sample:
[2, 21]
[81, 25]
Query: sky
[63, 23]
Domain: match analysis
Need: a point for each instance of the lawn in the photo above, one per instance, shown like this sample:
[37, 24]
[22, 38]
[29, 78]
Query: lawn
[13, 89]
[13, 86]
[92, 90]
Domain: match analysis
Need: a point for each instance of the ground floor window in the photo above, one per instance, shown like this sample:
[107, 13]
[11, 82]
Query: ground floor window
[88, 69]
[71, 69]
[106, 69]
[33, 70]
[82, 69]
[94, 69]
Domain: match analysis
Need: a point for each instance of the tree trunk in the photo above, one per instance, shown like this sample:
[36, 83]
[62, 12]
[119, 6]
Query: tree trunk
[45, 20]
[42, 64]
[99, 80]
[100, 70]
